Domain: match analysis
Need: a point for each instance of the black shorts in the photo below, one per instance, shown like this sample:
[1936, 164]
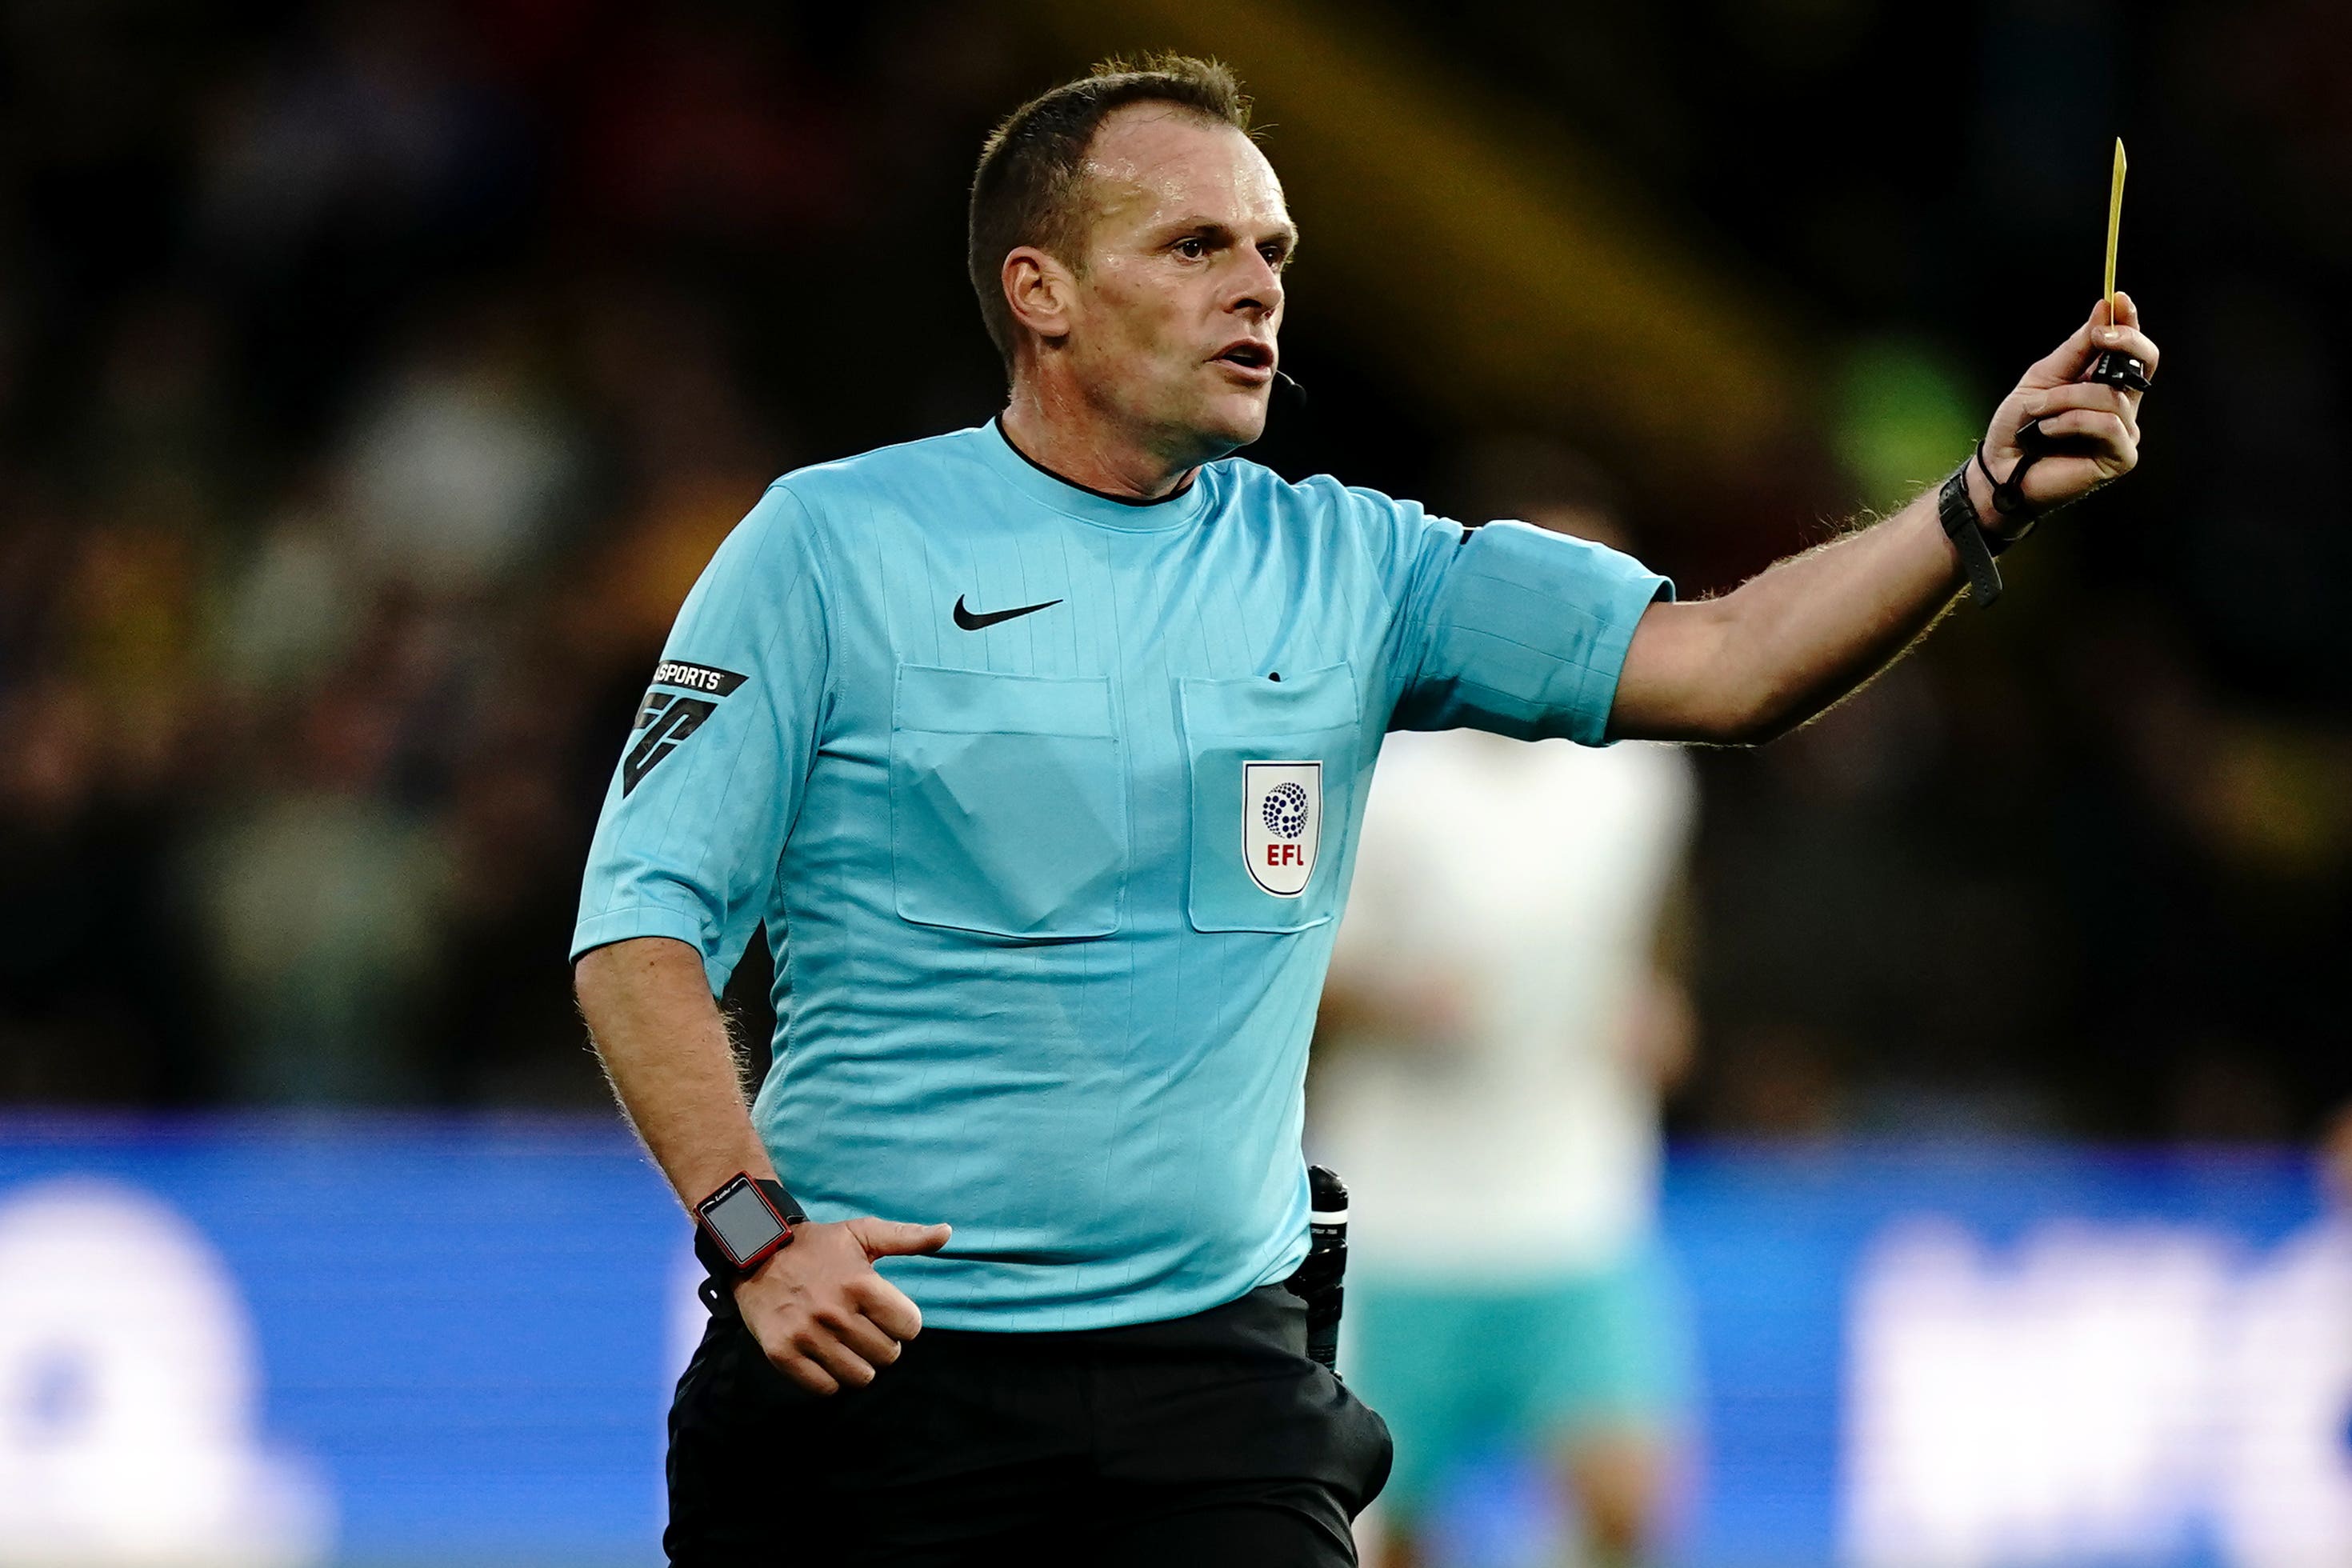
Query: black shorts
[1207, 1440]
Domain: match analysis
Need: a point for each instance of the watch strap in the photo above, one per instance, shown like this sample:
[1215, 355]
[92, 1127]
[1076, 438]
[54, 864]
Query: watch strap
[786, 1205]
[1958, 513]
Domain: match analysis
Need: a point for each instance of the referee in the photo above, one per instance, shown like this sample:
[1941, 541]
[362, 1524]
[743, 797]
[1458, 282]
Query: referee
[1039, 749]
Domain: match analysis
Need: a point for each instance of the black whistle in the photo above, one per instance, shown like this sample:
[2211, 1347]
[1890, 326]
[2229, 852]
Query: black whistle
[1318, 1281]
[2117, 368]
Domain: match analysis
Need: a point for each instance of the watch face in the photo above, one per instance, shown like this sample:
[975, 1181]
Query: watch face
[741, 1220]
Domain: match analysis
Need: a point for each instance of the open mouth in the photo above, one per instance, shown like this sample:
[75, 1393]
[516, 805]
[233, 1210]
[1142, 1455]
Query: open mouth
[1255, 359]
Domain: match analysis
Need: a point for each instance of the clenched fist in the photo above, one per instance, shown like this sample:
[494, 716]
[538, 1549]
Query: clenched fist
[818, 1309]
[2093, 428]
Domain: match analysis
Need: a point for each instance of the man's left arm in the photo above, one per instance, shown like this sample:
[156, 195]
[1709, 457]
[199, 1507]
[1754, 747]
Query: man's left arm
[1792, 641]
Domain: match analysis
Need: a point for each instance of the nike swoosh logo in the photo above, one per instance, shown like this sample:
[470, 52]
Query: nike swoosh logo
[973, 622]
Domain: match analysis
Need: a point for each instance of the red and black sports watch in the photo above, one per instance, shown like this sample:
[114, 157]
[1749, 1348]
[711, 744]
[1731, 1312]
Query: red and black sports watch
[746, 1222]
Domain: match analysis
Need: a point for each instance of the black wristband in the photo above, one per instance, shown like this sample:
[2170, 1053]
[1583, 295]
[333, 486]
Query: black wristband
[1958, 513]
[786, 1205]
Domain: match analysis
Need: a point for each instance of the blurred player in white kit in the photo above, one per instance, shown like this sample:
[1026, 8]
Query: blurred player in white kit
[1498, 1029]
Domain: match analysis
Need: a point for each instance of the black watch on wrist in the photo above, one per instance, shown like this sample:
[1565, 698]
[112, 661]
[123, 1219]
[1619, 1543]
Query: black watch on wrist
[746, 1222]
[1958, 513]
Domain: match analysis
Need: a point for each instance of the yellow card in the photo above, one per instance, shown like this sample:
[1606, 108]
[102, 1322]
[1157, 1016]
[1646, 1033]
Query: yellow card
[2115, 222]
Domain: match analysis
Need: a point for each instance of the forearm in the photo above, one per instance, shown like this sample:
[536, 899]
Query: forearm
[1763, 660]
[818, 1310]
[1788, 644]
[665, 1048]
[1803, 634]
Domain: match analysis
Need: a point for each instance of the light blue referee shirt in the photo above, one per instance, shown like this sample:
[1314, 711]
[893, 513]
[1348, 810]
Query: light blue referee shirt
[1048, 802]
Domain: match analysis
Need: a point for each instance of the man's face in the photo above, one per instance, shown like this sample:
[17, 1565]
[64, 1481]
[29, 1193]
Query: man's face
[1179, 294]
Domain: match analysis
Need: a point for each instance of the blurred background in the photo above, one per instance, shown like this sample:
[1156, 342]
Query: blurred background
[375, 378]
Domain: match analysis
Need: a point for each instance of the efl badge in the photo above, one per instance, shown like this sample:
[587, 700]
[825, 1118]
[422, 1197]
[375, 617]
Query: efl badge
[1282, 821]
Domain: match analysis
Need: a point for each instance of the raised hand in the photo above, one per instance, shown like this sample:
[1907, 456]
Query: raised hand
[2095, 427]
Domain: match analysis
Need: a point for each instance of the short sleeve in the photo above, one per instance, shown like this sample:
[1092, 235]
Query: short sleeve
[712, 774]
[1516, 630]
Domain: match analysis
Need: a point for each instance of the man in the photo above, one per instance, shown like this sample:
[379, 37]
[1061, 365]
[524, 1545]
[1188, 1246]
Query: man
[1499, 1019]
[1038, 749]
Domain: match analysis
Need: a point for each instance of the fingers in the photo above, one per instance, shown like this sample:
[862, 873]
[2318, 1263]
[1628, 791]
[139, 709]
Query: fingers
[2094, 396]
[2124, 334]
[2070, 360]
[858, 1335]
[891, 1237]
[2097, 425]
[2090, 424]
[821, 1363]
[804, 1371]
[2133, 341]
[845, 1346]
[823, 1315]
[888, 1307]
[2114, 446]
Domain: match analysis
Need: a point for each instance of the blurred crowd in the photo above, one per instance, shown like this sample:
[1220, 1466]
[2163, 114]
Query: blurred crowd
[375, 384]
[375, 377]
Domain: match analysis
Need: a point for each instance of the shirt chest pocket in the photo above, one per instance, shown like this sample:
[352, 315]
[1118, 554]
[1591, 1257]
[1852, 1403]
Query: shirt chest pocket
[1008, 804]
[1273, 772]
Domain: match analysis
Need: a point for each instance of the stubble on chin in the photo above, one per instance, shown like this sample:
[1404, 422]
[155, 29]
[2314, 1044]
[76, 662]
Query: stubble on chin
[1245, 425]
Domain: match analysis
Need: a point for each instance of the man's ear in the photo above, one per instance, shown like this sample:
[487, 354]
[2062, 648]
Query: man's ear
[1039, 290]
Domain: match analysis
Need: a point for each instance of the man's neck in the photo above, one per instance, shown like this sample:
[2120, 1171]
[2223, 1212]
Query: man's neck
[1070, 440]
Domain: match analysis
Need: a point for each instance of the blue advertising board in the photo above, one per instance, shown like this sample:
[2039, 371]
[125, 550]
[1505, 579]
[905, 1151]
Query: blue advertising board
[393, 1341]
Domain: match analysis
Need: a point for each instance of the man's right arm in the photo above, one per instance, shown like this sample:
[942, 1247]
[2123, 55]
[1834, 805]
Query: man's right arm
[666, 1049]
[684, 856]
[817, 1308]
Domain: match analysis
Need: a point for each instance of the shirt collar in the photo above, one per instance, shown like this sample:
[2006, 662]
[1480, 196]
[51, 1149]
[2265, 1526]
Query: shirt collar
[1043, 485]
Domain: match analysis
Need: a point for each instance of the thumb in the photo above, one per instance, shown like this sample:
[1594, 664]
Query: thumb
[892, 1237]
[2070, 359]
